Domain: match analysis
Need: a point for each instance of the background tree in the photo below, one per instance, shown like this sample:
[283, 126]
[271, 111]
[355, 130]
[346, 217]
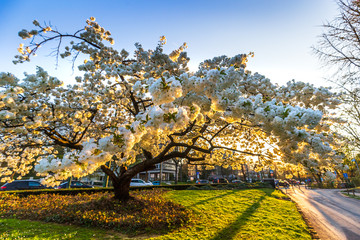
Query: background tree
[152, 105]
[339, 46]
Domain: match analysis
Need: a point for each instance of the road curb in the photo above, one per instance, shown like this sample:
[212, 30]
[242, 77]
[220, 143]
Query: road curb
[313, 233]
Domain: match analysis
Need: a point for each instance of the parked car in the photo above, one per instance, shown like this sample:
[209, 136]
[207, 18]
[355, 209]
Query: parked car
[236, 181]
[155, 182]
[74, 184]
[202, 181]
[158, 183]
[294, 182]
[220, 180]
[136, 182]
[22, 185]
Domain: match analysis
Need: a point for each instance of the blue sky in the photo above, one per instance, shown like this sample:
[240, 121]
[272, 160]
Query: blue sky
[280, 32]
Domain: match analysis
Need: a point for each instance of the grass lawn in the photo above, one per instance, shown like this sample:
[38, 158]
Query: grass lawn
[351, 195]
[24, 229]
[217, 214]
[239, 214]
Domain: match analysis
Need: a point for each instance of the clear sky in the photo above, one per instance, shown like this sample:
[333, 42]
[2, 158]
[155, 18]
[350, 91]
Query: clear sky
[280, 32]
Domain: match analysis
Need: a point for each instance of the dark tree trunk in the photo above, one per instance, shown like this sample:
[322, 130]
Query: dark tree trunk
[243, 172]
[121, 189]
[319, 179]
[121, 183]
[196, 171]
[176, 171]
[181, 172]
[121, 179]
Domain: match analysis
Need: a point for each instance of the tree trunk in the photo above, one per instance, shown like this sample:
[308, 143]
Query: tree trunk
[243, 172]
[121, 189]
[121, 183]
[196, 171]
[176, 171]
[319, 179]
[181, 172]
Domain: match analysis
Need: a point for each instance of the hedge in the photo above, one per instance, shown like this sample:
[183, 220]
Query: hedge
[74, 191]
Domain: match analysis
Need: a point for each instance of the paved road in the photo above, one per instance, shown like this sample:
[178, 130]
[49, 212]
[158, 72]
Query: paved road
[332, 215]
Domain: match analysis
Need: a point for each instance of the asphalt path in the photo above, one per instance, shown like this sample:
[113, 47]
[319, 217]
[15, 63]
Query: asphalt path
[331, 214]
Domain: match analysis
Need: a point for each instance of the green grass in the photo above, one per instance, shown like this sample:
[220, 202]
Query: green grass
[239, 214]
[24, 229]
[351, 195]
[218, 214]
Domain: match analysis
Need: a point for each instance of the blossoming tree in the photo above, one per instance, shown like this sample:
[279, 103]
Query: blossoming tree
[152, 105]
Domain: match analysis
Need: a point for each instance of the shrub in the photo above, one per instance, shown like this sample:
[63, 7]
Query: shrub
[356, 180]
[207, 187]
[147, 210]
[192, 188]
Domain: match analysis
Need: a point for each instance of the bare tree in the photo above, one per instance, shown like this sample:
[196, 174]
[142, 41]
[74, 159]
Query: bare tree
[339, 46]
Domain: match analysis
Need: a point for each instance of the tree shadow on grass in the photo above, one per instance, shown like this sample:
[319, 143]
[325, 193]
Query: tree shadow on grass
[231, 230]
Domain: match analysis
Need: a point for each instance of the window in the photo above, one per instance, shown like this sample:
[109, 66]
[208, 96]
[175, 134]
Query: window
[137, 181]
[34, 184]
